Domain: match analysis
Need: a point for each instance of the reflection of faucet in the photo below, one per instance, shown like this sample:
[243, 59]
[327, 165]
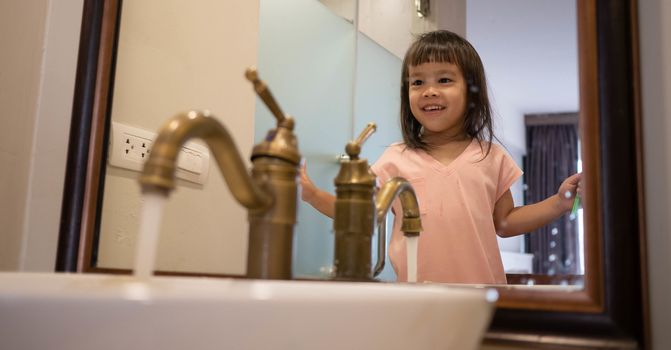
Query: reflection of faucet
[357, 210]
[269, 193]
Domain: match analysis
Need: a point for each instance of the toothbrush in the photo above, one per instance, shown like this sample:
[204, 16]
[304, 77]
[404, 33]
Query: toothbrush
[576, 204]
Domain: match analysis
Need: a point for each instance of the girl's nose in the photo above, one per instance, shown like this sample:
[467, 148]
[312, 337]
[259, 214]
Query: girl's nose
[430, 92]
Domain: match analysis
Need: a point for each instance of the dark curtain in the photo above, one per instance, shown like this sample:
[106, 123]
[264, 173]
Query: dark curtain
[552, 155]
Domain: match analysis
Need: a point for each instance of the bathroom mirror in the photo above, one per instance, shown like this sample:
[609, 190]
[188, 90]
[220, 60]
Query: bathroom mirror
[338, 75]
[609, 301]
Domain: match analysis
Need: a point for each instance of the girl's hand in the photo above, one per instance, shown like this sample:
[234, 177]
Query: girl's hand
[308, 188]
[321, 200]
[568, 190]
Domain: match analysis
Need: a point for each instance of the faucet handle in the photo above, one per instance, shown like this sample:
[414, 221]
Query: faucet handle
[279, 142]
[353, 148]
[352, 169]
[264, 93]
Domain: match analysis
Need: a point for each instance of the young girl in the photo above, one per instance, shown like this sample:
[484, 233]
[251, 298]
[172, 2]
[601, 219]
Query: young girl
[462, 180]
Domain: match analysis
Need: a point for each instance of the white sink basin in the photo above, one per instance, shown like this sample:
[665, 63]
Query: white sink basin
[67, 311]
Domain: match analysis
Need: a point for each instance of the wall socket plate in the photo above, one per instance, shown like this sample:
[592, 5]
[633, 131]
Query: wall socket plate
[130, 146]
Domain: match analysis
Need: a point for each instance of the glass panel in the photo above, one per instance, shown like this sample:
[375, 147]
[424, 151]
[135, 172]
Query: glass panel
[378, 83]
[306, 56]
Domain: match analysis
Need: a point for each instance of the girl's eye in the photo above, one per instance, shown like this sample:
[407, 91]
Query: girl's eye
[444, 80]
[416, 82]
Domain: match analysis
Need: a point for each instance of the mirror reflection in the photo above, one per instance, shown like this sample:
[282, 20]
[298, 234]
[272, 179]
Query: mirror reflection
[334, 71]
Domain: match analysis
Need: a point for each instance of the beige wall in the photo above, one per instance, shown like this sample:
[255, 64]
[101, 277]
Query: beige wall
[655, 42]
[21, 29]
[39, 48]
[393, 23]
[174, 56]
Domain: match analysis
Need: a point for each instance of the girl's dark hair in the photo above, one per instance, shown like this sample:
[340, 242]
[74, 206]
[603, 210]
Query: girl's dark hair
[445, 46]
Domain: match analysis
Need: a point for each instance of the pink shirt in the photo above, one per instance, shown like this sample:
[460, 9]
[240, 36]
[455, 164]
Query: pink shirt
[458, 244]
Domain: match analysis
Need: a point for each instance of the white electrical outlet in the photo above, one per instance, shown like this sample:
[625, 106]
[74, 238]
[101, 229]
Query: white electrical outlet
[130, 147]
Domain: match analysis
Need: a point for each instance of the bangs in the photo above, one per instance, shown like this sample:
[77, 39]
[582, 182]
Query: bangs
[433, 53]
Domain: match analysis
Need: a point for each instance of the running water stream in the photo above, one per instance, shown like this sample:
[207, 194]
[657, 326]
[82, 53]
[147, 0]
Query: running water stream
[147, 240]
[411, 252]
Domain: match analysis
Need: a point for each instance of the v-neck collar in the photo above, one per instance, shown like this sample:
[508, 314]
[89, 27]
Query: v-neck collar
[449, 168]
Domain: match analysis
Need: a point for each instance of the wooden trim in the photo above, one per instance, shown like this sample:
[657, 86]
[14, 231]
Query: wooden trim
[619, 174]
[101, 107]
[555, 300]
[78, 144]
[640, 166]
[116, 271]
[558, 342]
[614, 303]
[544, 279]
[92, 100]
[591, 146]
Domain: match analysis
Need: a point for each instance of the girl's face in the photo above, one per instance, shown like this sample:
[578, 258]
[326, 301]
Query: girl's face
[437, 92]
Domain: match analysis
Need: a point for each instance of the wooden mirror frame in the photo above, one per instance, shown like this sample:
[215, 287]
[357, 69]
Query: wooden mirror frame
[610, 311]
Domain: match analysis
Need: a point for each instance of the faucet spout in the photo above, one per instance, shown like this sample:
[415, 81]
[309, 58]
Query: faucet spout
[401, 188]
[159, 170]
[411, 225]
[268, 192]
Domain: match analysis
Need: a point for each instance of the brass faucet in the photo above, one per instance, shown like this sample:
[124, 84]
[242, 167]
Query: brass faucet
[269, 193]
[357, 210]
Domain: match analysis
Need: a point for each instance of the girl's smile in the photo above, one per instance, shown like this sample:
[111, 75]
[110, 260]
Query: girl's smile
[433, 108]
[437, 93]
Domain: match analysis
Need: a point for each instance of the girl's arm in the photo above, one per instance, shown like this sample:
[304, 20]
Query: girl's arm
[321, 200]
[511, 221]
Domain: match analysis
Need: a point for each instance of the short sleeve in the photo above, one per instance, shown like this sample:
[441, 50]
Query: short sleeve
[509, 172]
[380, 172]
[384, 167]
